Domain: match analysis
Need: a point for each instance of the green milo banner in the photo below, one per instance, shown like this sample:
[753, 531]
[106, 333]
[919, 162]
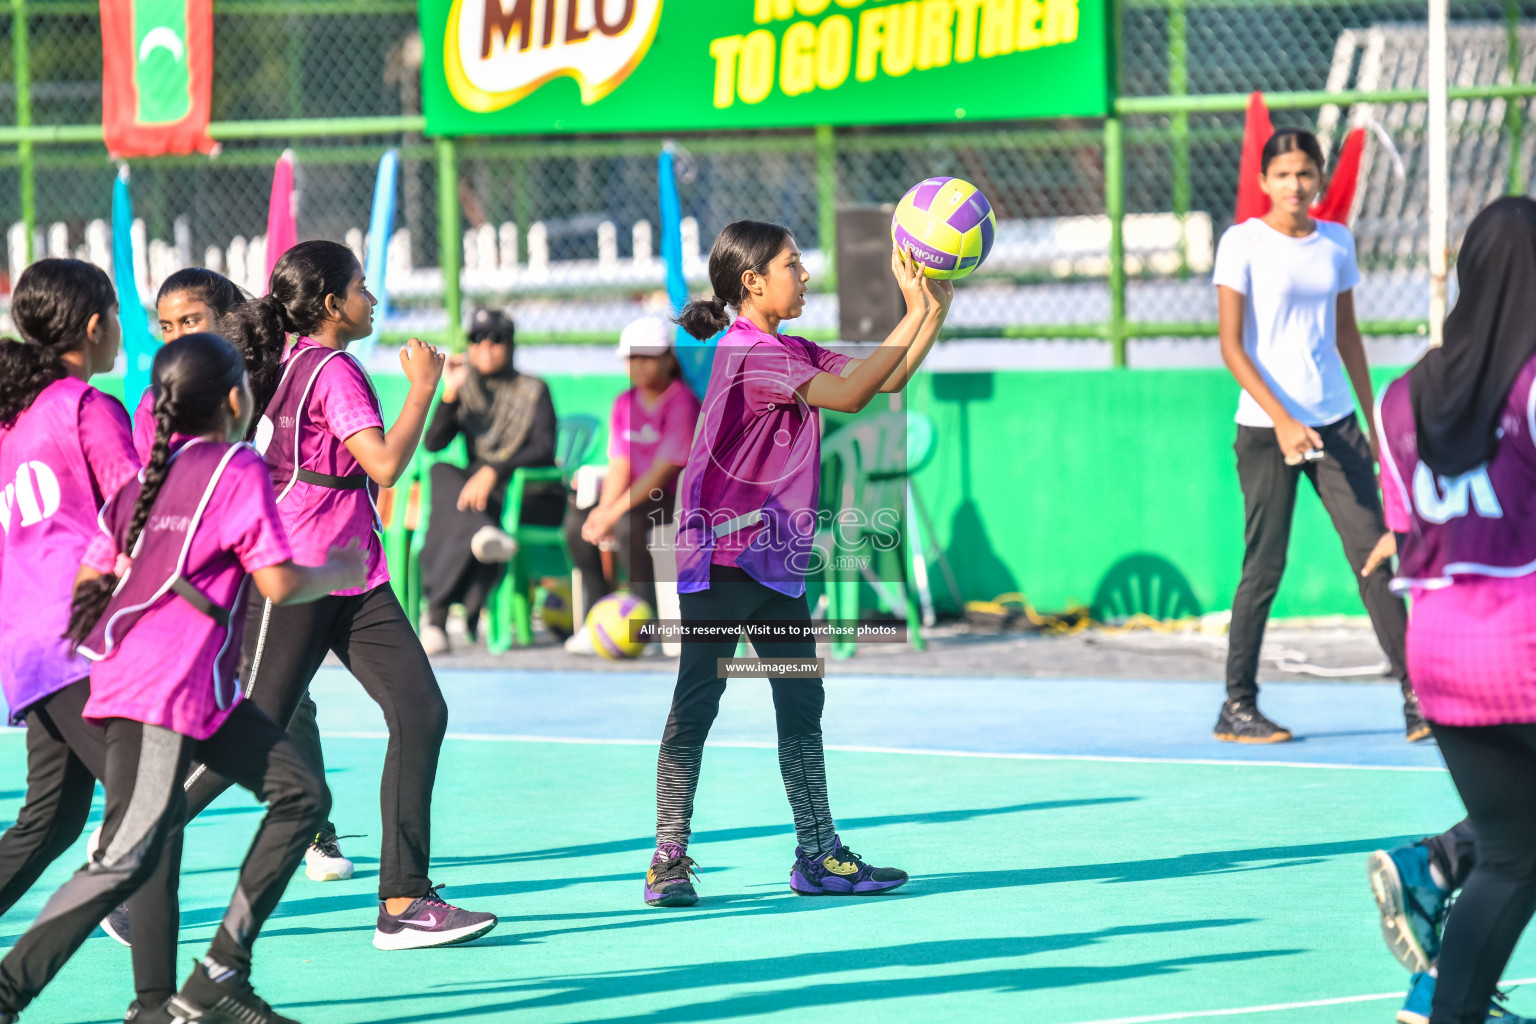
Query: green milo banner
[523, 66]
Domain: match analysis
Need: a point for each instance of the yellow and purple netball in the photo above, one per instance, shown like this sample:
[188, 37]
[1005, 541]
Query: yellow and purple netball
[612, 622]
[947, 224]
[556, 610]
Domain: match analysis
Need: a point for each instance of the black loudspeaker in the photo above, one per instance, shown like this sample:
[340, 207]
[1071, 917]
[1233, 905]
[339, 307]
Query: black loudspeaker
[870, 304]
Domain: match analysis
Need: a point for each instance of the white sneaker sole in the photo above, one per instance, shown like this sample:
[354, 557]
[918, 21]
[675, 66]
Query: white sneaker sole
[318, 873]
[411, 938]
[1387, 888]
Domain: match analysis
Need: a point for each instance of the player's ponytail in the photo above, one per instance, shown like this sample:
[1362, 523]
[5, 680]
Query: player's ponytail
[704, 318]
[52, 306]
[192, 379]
[259, 330]
[744, 245]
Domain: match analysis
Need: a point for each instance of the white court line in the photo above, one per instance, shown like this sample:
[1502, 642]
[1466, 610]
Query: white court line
[1272, 1007]
[479, 737]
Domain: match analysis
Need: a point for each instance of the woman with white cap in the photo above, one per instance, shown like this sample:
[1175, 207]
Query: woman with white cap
[508, 421]
[649, 434]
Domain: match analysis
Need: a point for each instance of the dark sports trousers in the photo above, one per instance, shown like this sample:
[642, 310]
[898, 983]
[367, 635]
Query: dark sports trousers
[370, 634]
[304, 730]
[1345, 480]
[631, 535]
[1494, 768]
[142, 826]
[65, 757]
[735, 596]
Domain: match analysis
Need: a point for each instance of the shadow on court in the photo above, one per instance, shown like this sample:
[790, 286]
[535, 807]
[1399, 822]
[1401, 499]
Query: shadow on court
[551, 992]
[645, 844]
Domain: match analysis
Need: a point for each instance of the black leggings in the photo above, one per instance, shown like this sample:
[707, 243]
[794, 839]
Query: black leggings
[1345, 480]
[142, 828]
[1494, 768]
[371, 636]
[735, 596]
[66, 755]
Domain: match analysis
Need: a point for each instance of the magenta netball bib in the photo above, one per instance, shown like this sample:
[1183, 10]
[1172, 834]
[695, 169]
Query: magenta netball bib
[161, 571]
[1475, 524]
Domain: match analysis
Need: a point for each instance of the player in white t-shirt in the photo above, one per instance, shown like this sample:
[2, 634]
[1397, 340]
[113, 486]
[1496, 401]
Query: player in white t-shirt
[1287, 321]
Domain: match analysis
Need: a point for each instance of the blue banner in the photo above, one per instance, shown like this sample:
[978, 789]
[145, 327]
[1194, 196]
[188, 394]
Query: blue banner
[139, 343]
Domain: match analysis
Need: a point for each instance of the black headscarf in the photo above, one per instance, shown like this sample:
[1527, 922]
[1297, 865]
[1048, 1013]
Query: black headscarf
[1458, 390]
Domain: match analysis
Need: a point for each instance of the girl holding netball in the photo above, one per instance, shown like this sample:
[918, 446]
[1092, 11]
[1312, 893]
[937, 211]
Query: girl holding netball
[157, 606]
[746, 517]
[1458, 445]
[324, 440]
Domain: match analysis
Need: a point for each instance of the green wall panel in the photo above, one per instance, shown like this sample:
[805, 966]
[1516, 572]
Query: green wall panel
[1044, 480]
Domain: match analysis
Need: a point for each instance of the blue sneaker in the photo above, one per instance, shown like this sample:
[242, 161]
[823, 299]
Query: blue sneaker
[1421, 997]
[1412, 906]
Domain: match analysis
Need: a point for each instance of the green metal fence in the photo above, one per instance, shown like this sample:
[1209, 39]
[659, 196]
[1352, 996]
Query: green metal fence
[1107, 227]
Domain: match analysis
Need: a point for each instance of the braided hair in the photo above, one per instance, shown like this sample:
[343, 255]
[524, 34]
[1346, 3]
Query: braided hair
[192, 378]
[52, 306]
[744, 245]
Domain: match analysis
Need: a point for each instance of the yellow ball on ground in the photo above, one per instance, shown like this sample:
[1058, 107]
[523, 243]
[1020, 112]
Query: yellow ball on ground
[613, 622]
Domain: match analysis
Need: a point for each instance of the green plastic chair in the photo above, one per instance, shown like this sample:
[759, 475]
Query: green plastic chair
[868, 466]
[414, 498]
[541, 550]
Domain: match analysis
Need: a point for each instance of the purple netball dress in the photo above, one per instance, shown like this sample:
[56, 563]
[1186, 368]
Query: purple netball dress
[749, 492]
[59, 461]
[1468, 556]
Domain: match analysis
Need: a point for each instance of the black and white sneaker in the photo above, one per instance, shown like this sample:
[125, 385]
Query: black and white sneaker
[228, 1000]
[430, 921]
[323, 861]
[1241, 721]
[116, 924]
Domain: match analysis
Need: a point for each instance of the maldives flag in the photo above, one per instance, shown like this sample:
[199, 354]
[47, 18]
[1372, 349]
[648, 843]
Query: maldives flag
[157, 76]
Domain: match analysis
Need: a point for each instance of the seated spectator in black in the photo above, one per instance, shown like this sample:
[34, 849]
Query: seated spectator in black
[508, 422]
[649, 434]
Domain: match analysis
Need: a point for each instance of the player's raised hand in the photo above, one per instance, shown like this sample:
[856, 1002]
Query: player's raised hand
[909, 278]
[422, 363]
[940, 294]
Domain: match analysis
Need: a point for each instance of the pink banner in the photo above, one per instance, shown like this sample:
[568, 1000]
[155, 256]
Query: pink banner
[282, 215]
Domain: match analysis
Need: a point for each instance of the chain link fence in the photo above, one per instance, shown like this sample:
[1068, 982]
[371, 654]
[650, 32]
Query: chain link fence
[565, 230]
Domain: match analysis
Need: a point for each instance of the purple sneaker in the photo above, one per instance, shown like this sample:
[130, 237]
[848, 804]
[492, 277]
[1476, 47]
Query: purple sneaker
[430, 921]
[840, 873]
[666, 883]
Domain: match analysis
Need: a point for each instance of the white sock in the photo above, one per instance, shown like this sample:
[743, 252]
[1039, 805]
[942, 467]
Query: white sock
[1438, 877]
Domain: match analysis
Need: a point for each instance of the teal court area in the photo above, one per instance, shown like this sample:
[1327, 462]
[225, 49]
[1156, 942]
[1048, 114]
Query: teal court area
[1080, 852]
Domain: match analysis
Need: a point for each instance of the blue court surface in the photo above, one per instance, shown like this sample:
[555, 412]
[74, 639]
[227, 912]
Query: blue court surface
[1081, 851]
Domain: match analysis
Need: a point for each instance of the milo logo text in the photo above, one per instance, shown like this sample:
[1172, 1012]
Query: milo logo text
[496, 52]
